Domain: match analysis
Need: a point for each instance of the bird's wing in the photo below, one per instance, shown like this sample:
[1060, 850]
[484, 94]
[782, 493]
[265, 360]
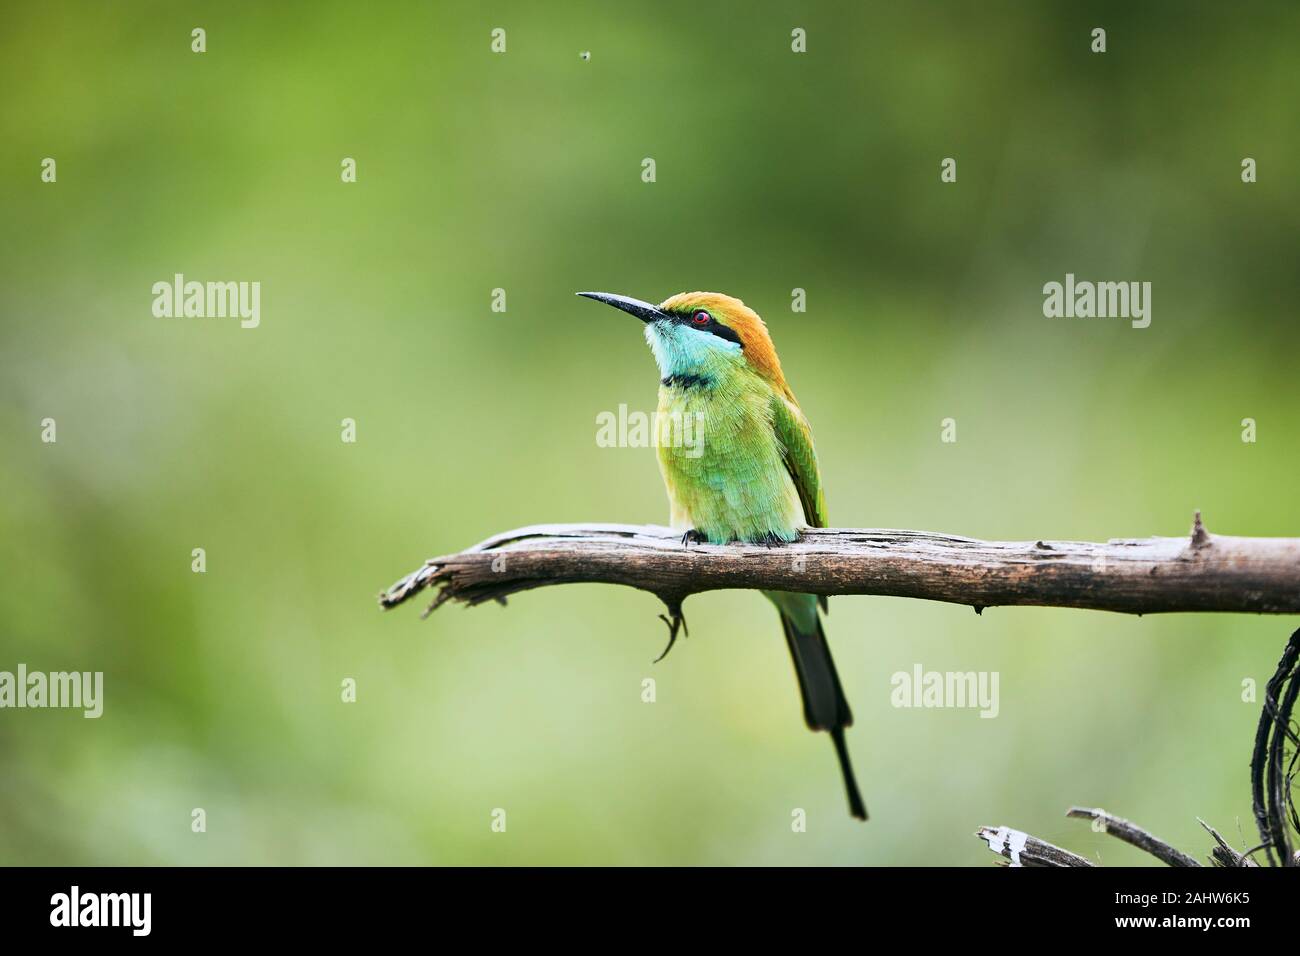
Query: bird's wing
[795, 435]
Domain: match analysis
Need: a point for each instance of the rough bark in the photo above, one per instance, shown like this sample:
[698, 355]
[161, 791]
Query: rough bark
[1197, 572]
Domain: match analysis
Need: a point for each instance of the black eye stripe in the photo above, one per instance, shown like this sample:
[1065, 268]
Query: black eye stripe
[713, 326]
[722, 332]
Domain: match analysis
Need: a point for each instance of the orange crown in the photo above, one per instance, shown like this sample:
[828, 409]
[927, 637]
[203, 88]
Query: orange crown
[745, 322]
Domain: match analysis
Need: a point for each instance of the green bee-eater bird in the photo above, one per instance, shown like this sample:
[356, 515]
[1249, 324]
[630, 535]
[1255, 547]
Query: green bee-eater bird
[753, 477]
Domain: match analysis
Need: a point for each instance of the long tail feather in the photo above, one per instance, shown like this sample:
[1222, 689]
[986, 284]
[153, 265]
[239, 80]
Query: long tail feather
[824, 704]
[856, 806]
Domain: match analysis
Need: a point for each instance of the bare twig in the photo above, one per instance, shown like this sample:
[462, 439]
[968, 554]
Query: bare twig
[1133, 835]
[1025, 850]
[1225, 855]
[1198, 572]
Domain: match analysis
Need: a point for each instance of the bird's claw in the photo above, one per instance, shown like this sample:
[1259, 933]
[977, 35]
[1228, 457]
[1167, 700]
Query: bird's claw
[694, 536]
[677, 621]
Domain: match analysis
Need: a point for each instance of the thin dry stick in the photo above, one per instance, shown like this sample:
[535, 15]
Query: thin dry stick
[1025, 850]
[1199, 572]
[1133, 835]
[1223, 854]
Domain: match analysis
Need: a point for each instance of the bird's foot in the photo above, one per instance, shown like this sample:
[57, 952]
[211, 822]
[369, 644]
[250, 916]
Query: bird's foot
[694, 536]
[677, 621]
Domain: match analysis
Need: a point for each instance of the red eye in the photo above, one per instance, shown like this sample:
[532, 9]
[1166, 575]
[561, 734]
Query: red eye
[701, 318]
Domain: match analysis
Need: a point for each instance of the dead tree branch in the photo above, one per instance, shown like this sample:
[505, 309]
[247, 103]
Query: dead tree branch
[1024, 850]
[1133, 835]
[1223, 854]
[1198, 572]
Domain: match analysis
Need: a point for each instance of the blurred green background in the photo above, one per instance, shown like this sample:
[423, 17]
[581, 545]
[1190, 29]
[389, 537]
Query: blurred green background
[522, 171]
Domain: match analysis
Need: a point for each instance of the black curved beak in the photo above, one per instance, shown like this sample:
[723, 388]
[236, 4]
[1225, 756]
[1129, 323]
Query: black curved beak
[642, 310]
